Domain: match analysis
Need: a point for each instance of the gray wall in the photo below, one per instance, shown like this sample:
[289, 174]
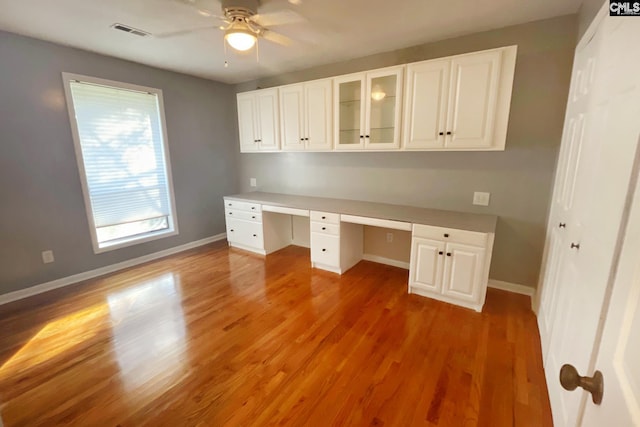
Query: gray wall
[519, 179]
[41, 204]
[588, 10]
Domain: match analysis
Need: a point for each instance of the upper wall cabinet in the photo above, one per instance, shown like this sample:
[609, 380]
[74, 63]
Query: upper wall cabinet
[368, 110]
[258, 125]
[459, 103]
[306, 116]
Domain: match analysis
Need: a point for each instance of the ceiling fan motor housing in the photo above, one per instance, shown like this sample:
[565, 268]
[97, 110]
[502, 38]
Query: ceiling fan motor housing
[240, 8]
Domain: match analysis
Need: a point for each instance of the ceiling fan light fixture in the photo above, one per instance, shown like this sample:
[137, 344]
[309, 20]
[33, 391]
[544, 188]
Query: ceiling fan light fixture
[240, 38]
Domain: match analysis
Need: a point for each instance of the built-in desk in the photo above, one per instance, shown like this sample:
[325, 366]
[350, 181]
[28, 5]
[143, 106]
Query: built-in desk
[450, 251]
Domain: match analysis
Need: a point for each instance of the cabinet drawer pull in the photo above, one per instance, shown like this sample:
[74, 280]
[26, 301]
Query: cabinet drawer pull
[562, 225]
[253, 217]
[229, 204]
[324, 217]
[230, 213]
[448, 253]
[446, 234]
[324, 250]
[575, 245]
[324, 228]
[232, 230]
[253, 208]
[255, 235]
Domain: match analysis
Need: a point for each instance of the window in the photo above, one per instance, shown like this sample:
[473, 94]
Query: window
[121, 147]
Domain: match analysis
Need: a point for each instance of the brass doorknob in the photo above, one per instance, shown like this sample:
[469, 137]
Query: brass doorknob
[570, 380]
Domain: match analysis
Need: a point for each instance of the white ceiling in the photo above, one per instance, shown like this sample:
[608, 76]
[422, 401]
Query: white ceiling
[334, 30]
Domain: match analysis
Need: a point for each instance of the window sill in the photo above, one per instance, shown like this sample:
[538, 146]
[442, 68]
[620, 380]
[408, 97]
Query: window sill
[134, 240]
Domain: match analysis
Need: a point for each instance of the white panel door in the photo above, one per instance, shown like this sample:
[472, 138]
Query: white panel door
[292, 117]
[619, 355]
[473, 99]
[426, 264]
[549, 298]
[247, 123]
[269, 125]
[426, 98]
[463, 271]
[318, 115]
[609, 147]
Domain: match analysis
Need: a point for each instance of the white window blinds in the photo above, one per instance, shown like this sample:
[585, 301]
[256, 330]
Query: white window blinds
[120, 136]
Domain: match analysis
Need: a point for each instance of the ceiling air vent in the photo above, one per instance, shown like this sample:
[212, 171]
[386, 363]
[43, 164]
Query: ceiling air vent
[130, 30]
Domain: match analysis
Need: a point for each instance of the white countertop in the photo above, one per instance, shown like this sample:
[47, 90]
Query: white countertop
[436, 217]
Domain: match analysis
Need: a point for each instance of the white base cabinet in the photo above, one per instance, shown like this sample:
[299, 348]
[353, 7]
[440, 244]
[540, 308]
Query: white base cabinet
[450, 265]
[335, 246]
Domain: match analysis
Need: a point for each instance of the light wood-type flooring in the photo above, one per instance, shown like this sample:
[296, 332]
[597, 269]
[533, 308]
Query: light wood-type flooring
[221, 337]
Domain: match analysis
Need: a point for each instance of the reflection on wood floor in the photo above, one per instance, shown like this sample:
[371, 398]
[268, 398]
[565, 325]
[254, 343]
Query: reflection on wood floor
[217, 337]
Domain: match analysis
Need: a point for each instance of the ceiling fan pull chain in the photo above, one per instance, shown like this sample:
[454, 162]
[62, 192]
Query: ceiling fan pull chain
[224, 44]
[258, 50]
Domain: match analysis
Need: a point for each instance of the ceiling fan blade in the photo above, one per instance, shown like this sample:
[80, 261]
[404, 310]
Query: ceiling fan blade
[277, 38]
[183, 32]
[283, 17]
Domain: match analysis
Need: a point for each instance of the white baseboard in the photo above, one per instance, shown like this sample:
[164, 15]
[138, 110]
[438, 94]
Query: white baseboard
[70, 280]
[512, 287]
[386, 261]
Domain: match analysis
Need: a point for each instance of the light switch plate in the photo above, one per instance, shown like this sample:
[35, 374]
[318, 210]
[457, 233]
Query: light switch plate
[481, 199]
[47, 257]
[253, 182]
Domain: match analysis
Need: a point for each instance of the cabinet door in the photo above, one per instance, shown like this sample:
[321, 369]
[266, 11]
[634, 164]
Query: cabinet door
[318, 117]
[463, 271]
[426, 268]
[426, 98]
[268, 125]
[291, 119]
[473, 100]
[383, 108]
[247, 124]
[349, 94]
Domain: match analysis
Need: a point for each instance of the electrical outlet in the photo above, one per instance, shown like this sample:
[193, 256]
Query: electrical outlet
[481, 199]
[253, 182]
[389, 237]
[47, 257]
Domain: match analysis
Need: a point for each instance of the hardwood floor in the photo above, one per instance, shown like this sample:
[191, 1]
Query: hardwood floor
[215, 337]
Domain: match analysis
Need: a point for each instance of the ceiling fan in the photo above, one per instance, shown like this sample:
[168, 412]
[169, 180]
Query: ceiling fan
[242, 25]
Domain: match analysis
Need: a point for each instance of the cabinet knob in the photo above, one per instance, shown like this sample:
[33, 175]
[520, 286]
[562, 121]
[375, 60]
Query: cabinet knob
[446, 234]
[448, 253]
[440, 253]
[255, 235]
[440, 133]
[324, 250]
[306, 139]
[366, 136]
[229, 204]
[232, 230]
[253, 207]
[253, 217]
[361, 136]
[301, 139]
[448, 132]
[324, 228]
[230, 213]
[562, 225]
[324, 217]
[575, 245]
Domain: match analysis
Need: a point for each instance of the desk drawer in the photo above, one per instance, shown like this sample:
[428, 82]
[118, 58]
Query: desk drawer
[450, 235]
[327, 217]
[248, 216]
[325, 228]
[325, 249]
[242, 206]
[246, 233]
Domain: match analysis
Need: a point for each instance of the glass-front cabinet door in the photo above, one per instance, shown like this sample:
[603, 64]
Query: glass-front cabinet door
[349, 96]
[383, 108]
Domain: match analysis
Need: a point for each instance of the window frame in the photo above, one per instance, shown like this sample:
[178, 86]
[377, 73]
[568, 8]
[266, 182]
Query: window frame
[137, 239]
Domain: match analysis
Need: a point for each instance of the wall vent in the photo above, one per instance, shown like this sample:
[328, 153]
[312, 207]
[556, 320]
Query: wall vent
[130, 30]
